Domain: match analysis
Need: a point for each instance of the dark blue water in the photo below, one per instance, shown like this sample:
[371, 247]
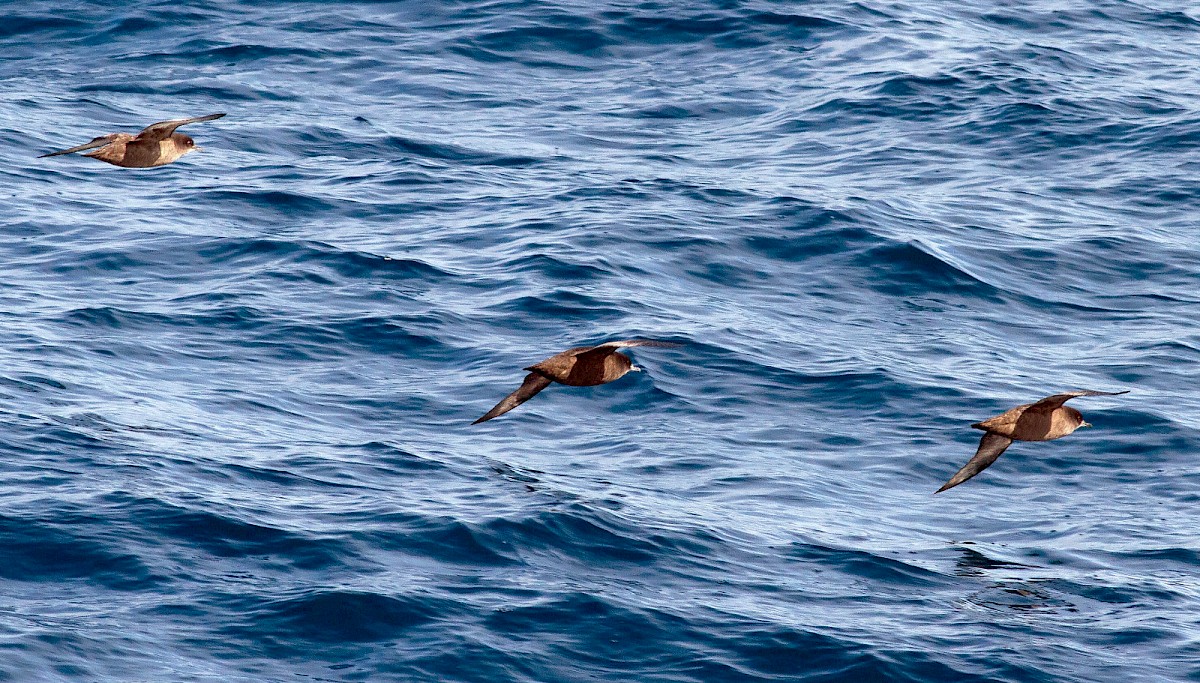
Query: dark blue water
[236, 391]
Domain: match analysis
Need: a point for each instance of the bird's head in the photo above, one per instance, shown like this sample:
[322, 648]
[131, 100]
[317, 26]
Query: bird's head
[184, 144]
[1074, 420]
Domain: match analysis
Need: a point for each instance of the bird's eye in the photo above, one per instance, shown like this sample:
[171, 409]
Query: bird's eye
[191, 143]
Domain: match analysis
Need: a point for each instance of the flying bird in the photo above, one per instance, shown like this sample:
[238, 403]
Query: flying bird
[582, 366]
[1042, 421]
[156, 145]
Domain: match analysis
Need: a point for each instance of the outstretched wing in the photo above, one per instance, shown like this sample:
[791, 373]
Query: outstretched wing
[1056, 401]
[586, 353]
[633, 342]
[990, 448]
[163, 129]
[96, 142]
[608, 347]
[533, 383]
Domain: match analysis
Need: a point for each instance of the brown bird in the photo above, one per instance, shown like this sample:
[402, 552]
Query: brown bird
[1042, 421]
[582, 366]
[156, 145]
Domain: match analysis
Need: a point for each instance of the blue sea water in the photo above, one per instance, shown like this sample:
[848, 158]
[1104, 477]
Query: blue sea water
[236, 391]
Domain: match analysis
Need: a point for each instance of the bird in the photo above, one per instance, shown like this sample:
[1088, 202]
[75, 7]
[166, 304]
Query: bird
[156, 145]
[582, 366]
[1045, 420]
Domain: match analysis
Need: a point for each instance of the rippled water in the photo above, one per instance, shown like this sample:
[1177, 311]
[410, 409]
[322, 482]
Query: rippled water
[236, 391]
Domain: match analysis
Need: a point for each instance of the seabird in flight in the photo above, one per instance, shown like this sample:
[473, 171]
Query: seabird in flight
[156, 145]
[582, 366]
[1042, 421]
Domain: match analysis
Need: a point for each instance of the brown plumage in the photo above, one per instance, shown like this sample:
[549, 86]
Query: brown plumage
[582, 366]
[1042, 421]
[156, 145]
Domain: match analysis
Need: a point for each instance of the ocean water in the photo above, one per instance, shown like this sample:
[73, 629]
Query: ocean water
[236, 391]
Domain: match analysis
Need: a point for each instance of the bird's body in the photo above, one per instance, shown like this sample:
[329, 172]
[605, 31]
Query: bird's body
[122, 150]
[582, 366]
[1046, 420]
[155, 145]
[1023, 423]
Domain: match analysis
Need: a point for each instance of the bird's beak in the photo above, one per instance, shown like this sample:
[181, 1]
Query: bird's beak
[1087, 424]
[634, 368]
[197, 148]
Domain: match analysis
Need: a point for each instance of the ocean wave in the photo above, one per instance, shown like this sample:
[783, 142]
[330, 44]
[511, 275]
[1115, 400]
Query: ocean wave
[236, 404]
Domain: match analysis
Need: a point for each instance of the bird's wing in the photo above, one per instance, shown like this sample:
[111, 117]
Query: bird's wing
[163, 129]
[633, 342]
[533, 383]
[96, 142]
[584, 353]
[990, 448]
[1056, 401]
